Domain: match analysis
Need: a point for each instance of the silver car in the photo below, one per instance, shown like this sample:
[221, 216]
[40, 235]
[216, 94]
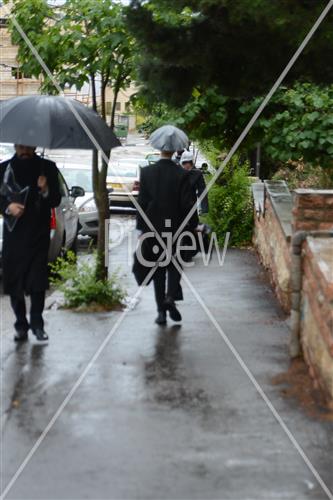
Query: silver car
[78, 175]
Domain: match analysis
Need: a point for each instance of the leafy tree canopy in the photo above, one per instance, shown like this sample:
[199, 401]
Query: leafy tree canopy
[297, 124]
[80, 41]
[239, 47]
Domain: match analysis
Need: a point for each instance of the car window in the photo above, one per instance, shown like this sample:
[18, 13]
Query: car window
[153, 157]
[78, 177]
[6, 151]
[123, 170]
[62, 186]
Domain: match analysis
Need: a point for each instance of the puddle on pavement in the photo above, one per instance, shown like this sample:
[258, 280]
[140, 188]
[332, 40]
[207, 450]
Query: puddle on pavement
[165, 375]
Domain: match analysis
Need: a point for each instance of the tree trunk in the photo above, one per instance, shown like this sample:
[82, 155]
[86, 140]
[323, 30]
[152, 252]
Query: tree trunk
[93, 91]
[100, 195]
[102, 244]
[102, 203]
[103, 96]
[114, 104]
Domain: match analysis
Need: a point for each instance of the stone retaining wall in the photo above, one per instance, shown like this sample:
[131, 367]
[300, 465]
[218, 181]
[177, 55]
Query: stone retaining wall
[317, 310]
[272, 233]
[312, 210]
[278, 216]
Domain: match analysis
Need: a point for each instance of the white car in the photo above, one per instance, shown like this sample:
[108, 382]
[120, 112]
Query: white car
[124, 180]
[7, 151]
[121, 173]
[78, 175]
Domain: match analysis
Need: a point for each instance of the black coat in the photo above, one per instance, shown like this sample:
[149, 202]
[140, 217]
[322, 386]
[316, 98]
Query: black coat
[165, 194]
[198, 185]
[25, 249]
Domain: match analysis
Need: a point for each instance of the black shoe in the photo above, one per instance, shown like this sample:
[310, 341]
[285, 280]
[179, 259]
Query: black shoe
[40, 334]
[161, 318]
[21, 336]
[170, 306]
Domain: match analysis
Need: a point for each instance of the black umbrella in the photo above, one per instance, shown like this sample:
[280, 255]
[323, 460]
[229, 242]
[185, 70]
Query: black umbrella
[53, 122]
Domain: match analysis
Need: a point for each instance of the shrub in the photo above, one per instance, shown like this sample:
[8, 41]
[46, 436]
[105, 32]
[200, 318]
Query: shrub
[81, 289]
[297, 123]
[299, 174]
[230, 206]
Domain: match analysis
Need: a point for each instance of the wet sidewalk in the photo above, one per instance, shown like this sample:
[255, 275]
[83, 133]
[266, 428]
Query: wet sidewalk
[163, 413]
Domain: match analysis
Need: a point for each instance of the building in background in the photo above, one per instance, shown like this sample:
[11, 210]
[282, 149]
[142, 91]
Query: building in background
[14, 83]
[124, 112]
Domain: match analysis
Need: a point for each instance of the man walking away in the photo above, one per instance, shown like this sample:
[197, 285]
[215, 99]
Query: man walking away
[165, 197]
[29, 188]
[197, 180]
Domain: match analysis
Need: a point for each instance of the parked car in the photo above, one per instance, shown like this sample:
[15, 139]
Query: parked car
[64, 224]
[153, 158]
[124, 179]
[7, 151]
[124, 172]
[88, 215]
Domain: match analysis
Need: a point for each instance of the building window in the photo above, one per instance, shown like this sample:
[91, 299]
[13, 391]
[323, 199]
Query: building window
[108, 106]
[3, 22]
[17, 74]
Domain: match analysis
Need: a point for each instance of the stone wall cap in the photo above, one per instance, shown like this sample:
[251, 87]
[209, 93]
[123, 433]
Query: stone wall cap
[281, 201]
[321, 192]
[258, 197]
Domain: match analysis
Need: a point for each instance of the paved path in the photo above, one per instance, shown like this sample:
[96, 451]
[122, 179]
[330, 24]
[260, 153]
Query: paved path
[163, 413]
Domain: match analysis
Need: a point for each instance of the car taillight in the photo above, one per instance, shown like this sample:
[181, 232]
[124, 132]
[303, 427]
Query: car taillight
[53, 221]
[136, 186]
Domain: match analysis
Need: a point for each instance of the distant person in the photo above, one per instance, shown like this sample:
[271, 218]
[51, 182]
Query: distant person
[166, 198]
[29, 188]
[197, 180]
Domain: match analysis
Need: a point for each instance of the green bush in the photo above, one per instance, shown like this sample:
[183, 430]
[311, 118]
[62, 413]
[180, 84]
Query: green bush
[81, 289]
[230, 206]
[296, 124]
[299, 174]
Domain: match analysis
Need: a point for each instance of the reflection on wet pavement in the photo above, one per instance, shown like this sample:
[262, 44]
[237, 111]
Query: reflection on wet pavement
[165, 374]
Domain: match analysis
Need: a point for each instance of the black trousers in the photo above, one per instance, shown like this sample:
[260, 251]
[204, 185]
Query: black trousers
[164, 288]
[36, 311]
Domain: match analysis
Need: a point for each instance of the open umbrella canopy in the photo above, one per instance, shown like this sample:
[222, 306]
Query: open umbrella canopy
[49, 122]
[169, 138]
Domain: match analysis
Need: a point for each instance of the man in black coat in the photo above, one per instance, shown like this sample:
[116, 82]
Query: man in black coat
[26, 235]
[197, 180]
[165, 197]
